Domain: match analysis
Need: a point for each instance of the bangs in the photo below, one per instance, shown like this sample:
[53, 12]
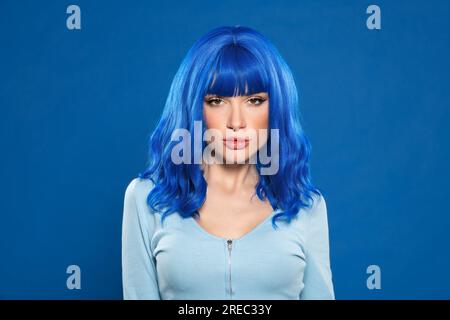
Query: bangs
[237, 73]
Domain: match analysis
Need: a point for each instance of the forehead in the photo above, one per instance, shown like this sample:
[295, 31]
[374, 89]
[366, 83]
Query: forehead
[237, 72]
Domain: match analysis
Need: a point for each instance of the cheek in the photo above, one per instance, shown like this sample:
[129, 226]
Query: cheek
[260, 120]
[213, 119]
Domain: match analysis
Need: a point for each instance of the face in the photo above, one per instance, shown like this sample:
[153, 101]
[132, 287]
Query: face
[237, 125]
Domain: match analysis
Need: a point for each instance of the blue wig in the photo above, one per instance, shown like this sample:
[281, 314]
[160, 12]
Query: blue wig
[230, 61]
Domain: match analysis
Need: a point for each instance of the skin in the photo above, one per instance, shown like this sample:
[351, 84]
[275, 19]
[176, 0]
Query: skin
[229, 210]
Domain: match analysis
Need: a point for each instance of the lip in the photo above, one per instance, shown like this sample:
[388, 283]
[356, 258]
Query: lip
[236, 143]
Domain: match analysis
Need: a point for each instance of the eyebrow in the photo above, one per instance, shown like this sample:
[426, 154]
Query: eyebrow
[216, 95]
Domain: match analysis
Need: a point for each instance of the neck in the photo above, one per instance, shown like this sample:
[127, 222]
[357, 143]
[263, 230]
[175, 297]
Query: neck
[232, 178]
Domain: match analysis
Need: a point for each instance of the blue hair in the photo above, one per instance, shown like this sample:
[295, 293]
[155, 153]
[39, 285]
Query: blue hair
[230, 61]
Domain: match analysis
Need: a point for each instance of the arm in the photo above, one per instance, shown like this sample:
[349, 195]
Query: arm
[138, 264]
[317, 279]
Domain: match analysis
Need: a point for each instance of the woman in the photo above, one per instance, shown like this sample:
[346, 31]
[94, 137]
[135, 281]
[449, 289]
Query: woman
[238, 224]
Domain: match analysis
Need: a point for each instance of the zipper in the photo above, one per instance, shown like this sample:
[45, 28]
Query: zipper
[230, 245]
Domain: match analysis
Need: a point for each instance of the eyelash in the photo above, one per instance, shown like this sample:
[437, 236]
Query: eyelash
[261, 101]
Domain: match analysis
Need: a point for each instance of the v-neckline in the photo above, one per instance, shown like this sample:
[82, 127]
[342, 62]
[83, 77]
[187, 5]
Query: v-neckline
[244, 236]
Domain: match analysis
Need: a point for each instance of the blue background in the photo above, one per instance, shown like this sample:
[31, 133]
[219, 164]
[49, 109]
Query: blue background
[77, 107]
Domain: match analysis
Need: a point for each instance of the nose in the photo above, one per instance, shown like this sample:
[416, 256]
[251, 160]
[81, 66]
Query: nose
[236, 119]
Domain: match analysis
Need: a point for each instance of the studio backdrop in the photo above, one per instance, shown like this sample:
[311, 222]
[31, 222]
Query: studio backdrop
[83, 83]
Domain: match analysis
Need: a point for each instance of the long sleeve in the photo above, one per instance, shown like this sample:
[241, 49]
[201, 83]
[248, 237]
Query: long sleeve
[317, 279]
[138, 264]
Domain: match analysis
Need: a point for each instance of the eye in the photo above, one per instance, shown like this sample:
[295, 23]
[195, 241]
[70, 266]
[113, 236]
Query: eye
[257, 100]
[214, 101]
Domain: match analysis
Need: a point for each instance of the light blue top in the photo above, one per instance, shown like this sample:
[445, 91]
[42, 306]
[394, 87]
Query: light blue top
[182, 261]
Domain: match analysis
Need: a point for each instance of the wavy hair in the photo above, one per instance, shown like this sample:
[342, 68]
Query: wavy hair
[228, 61]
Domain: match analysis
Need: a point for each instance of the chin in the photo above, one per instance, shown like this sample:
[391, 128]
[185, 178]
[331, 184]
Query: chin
[236, 157]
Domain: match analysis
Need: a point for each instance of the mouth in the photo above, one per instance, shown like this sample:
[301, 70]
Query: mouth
[236, 143]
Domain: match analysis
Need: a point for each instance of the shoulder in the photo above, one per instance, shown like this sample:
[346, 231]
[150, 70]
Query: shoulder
[138, 189]
[319, 206]
[316, 214]
[136, 194]
[135, 204]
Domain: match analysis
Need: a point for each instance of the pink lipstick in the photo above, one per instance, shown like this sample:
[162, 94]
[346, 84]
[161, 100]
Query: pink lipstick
[236, 143]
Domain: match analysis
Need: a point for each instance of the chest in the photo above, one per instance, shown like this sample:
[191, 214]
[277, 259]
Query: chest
[232, 217]
[266, 264]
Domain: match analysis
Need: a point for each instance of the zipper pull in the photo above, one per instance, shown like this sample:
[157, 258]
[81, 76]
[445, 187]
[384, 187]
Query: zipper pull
[229, 241]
